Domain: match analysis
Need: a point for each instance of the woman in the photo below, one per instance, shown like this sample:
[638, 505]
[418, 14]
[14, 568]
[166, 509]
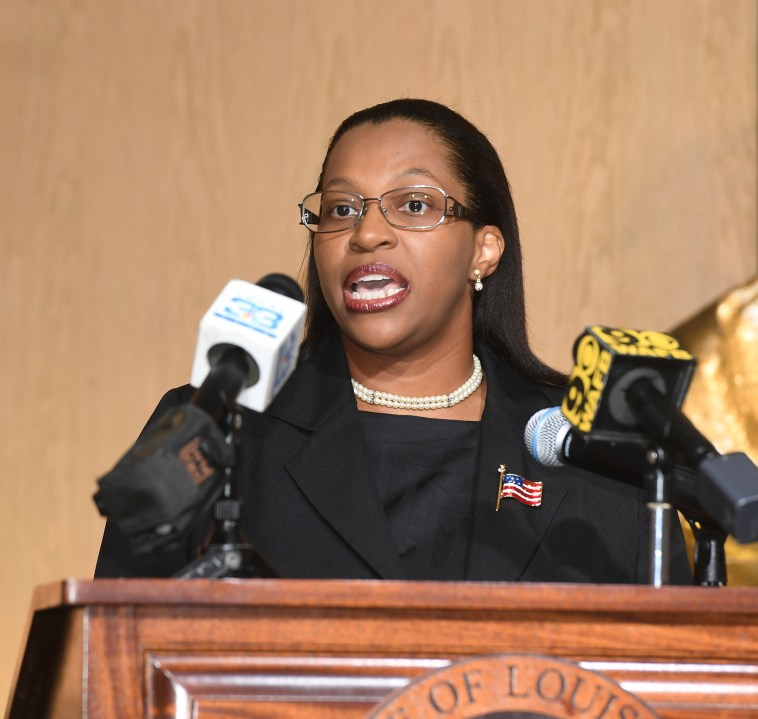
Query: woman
[415, 290]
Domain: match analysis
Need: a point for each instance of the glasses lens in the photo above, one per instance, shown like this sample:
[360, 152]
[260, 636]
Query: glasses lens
[414, 206]
[331, 210]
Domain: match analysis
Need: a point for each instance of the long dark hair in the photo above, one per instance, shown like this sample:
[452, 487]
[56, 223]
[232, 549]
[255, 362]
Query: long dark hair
[499, 309]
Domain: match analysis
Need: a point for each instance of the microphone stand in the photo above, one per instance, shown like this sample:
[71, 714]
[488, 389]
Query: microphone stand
[227, 553]
[658, 482]
[668, 425]
[710, 557]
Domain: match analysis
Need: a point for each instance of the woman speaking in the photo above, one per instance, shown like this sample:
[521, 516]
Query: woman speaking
[391, 450]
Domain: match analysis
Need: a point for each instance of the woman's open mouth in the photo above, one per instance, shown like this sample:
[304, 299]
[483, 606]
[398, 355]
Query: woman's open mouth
[372, 288]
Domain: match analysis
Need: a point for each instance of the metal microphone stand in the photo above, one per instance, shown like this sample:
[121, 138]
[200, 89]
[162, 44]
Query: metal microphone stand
[227, 553]
[659, 486]
[658, 483]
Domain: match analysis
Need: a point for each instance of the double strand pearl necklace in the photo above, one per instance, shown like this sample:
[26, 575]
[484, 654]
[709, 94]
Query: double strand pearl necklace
[440, 401]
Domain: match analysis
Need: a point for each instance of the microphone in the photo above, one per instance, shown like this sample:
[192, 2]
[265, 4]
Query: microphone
[628, 386]
[552, 440]
[247, 348]
[666, 423]
[248, 344]
[726, 484]
[157, 488]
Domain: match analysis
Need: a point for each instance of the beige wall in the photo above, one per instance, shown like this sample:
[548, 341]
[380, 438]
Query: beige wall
[149, 151]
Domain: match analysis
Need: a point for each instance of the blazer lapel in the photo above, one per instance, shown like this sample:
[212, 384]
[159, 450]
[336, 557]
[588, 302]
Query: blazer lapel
[330, 467]
[504, 541]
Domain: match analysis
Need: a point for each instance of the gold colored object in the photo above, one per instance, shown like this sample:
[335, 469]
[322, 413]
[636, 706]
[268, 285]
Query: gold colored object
[723, 398]
[502, 469]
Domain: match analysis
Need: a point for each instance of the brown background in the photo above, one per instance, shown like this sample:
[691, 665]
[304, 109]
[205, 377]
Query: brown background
[149, 151]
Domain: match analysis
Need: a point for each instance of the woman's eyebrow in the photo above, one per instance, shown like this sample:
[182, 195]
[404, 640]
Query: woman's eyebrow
[339, 181]
[416, 171]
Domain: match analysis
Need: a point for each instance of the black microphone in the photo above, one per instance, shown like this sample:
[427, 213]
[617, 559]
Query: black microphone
[667, 424]
[723, 489]
[552, 440]
[156, 489]
[247, 348]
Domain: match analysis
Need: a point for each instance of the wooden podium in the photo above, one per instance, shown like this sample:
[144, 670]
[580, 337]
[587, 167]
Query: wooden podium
[293, 648]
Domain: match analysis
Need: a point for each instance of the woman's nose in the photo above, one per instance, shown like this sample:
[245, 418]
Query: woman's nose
[373, 231]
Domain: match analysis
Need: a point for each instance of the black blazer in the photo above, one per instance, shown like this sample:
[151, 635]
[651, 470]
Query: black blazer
[311, 509]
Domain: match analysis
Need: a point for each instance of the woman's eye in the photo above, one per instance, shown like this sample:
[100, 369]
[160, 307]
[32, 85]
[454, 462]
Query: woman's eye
[415, 206]
[342, 211]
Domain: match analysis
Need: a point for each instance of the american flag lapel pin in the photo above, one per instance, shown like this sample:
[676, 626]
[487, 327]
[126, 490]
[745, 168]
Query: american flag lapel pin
[511, 485]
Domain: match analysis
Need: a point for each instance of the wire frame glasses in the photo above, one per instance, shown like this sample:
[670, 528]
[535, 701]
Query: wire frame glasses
[417, 207]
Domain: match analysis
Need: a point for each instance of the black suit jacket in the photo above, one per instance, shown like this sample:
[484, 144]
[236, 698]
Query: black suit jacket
[310, 506]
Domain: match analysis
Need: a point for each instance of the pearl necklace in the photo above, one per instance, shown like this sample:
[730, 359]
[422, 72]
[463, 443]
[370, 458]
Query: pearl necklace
[440, 401]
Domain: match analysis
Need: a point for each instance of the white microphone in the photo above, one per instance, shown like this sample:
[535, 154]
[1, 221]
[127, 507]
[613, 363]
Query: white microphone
[247, 348]
[265, 325]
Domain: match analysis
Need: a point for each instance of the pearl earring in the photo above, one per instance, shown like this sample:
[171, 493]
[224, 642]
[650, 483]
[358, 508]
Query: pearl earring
[478, 286]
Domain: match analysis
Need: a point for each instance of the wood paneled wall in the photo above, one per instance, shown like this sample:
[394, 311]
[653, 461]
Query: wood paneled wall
[149, 151]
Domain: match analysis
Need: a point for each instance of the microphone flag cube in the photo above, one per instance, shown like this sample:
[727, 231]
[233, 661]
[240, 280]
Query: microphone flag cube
[606, 362]
[266, 324]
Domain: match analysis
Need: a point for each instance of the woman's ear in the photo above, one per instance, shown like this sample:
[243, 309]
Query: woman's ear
[490, 245]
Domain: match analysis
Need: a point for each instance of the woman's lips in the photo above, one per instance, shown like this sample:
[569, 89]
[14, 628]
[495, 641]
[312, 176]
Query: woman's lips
[373, 288]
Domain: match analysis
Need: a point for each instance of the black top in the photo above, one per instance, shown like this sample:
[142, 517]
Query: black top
[423, 473]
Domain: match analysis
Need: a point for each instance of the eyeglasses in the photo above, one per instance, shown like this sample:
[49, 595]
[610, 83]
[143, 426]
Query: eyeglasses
[418, 207]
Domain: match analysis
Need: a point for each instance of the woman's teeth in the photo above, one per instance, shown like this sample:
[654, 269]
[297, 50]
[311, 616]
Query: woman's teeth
[374, 287]
[375, 294]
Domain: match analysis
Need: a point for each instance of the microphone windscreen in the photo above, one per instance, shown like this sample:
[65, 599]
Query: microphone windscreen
[543, 435]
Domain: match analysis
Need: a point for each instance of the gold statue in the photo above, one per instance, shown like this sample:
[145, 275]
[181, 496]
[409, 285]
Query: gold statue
[723, 399]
